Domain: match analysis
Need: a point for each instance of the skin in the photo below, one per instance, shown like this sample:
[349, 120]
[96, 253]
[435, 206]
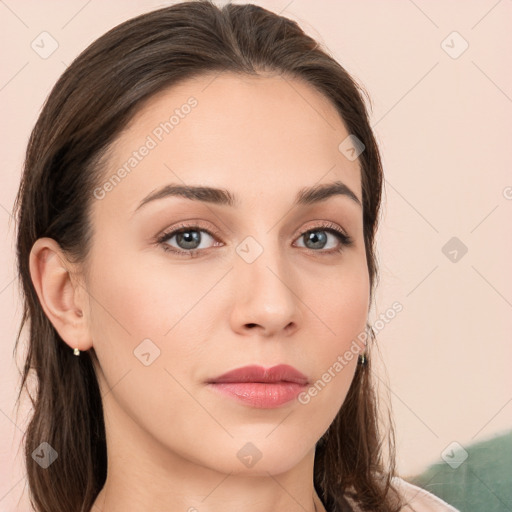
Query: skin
[172, 442]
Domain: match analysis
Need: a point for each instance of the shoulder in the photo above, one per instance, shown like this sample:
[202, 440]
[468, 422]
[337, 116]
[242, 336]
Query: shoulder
[419, 500]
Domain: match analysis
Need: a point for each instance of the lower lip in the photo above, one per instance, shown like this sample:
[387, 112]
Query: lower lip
[258, 394]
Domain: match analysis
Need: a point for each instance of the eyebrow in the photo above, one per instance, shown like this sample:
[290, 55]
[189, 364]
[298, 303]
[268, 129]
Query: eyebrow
[220, 196]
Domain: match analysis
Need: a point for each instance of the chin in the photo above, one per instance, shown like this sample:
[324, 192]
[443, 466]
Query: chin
[259, 456]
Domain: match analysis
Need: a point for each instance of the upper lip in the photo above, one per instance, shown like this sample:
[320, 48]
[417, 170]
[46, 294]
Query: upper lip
[255, 373]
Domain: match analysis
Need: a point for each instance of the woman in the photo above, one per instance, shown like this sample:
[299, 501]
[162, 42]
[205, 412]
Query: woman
[196, 225]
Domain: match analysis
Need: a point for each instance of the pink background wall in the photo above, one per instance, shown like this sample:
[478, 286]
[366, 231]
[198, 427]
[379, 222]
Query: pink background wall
[442, 117]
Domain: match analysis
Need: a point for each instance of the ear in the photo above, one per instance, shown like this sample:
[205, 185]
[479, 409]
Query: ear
[62, 297]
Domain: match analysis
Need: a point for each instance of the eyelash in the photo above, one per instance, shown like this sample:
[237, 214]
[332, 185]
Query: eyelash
[345, 240]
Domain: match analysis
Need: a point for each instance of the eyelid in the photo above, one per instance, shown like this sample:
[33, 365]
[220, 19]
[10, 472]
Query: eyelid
[319, 224]
[187, 225]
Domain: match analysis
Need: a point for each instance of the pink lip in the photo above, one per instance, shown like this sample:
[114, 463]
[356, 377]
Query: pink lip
[260, 387]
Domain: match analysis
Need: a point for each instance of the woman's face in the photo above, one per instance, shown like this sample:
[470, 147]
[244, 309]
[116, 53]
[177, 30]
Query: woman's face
[243, 286]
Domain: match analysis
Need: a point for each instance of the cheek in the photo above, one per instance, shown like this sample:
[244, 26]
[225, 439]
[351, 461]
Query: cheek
[136, 298]
[340, 299]
[146, 327]
[342, 306]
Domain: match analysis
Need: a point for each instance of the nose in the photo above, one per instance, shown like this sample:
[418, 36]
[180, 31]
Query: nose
[265, 293]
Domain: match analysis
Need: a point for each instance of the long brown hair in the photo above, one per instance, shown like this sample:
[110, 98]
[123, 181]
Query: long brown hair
[85, 112]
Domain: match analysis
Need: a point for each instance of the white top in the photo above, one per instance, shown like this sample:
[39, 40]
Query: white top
[419, 500]
[415, 499]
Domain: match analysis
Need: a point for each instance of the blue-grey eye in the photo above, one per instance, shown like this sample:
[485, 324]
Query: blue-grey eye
[318, 238]
[188, 239]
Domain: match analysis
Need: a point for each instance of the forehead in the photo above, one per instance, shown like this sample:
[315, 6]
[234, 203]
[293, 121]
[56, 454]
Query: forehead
[266, 135]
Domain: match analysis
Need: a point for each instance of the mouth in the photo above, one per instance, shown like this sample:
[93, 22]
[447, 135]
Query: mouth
[259, 387]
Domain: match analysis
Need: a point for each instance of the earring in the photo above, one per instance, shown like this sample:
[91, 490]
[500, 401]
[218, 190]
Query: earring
[362, 359]
[76, 352]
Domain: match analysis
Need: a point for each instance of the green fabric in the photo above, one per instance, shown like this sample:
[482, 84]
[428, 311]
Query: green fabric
[483, 482]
